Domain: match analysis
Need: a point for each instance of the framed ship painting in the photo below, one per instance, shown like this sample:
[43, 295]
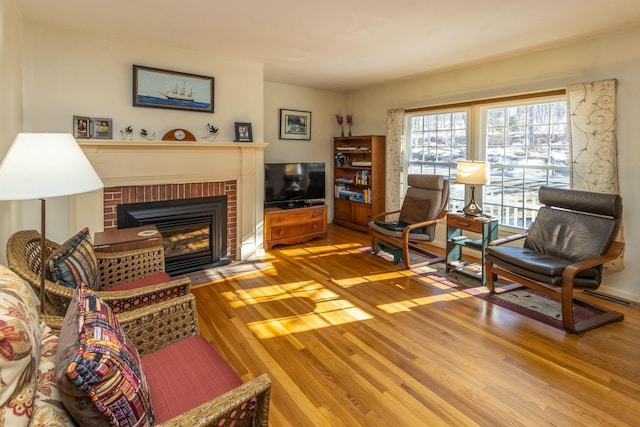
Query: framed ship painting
[156, 88]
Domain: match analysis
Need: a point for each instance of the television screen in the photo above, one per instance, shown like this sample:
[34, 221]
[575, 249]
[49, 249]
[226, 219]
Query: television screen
[293, 184]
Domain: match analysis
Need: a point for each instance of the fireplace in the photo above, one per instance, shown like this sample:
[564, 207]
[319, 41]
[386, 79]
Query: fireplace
[194, 231]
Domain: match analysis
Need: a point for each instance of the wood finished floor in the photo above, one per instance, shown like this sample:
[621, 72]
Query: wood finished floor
[351, 340]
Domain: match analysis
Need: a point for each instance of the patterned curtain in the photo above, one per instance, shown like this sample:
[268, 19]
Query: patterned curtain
[393, 155]
[594, 146]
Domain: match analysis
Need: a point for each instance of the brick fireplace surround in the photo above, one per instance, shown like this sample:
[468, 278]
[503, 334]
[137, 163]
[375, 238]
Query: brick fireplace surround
[139, 171]
[114, 196]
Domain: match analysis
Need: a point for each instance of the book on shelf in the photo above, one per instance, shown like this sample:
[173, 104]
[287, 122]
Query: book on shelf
[477, 243]
[457, 264]
[346, 148]
[472, 269]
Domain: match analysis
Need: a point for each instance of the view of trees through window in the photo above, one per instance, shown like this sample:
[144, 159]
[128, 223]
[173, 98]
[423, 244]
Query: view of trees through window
[526, 144]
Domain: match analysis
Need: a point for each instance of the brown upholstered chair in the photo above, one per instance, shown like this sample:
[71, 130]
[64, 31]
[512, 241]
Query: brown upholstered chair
[423, 207]
[130, 279]
[564, 248]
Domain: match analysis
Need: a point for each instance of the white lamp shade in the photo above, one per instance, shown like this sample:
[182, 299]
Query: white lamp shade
[42, 165]
[472, 173]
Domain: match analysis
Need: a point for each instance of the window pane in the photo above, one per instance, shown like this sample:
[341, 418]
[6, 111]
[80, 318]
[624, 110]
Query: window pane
[437, 142]
[528, 149]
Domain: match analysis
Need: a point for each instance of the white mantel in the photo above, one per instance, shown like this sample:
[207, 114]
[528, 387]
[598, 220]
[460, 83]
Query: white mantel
[130, 163]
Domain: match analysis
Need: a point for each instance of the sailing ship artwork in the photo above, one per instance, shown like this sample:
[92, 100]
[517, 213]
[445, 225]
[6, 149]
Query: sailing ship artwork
[156, 88]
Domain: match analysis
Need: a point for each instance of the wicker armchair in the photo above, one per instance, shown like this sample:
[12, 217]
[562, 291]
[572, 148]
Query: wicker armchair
[23, 255]
[161, 325]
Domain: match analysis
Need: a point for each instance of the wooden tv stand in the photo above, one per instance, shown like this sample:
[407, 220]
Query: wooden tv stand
[290, 226]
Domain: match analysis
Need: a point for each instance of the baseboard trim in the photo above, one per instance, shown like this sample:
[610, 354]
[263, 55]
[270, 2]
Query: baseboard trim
[608, 297]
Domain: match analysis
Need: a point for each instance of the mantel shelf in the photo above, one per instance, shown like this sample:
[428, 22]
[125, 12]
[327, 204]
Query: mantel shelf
[113, 143]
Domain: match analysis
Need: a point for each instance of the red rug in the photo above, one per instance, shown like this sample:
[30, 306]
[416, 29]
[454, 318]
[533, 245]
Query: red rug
[523, 301]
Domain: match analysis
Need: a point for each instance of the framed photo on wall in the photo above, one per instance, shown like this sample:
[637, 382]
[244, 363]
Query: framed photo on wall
[101, 128]
[295, 124]
[243, 132]
[81, 127]
[156, 88]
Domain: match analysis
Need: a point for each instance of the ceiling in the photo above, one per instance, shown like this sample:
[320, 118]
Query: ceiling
[344, 45]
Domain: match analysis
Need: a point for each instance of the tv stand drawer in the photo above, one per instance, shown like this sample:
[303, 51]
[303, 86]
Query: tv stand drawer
[290, 226]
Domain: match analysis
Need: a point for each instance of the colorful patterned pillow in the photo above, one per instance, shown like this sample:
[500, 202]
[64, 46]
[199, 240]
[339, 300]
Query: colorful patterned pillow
[98, 369]
[74, 262]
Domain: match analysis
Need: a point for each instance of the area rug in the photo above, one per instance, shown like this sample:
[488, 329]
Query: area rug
[523, 301]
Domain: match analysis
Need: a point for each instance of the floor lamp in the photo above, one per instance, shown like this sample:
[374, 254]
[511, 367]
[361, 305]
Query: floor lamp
[41, 166]
[472, 173]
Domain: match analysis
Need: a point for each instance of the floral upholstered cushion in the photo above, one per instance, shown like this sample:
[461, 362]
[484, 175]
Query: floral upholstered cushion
[74, 262]
[28, 394]
[98, 369]
[48, 409]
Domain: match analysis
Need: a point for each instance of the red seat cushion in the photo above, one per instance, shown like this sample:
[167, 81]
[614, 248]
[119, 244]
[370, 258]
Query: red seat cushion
[154, 279]
[185, 375]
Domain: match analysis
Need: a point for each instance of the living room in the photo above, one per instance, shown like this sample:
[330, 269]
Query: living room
[85, 74]
[51, 74]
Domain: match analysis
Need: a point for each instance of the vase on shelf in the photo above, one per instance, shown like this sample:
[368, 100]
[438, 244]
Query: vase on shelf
[349, 130]
[342, 131]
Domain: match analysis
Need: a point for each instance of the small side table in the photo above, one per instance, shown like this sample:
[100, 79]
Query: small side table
[127, 239]
[456, 224]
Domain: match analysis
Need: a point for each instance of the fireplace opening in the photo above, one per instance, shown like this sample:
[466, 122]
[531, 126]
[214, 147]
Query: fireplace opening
[194, 231]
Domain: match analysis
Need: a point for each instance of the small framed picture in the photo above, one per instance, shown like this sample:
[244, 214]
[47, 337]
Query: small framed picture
[243, 132]
[81, 127]
[101, 128]
[295, 124]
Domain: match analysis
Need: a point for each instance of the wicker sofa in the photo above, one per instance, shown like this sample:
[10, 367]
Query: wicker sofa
[30, 396]
[129, 280]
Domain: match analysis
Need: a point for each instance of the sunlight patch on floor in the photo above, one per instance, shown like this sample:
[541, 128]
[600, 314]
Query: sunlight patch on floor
[326, 308]
[310, 290]
[315, 250]
[357, 280]
[307, 322]
[408, 305]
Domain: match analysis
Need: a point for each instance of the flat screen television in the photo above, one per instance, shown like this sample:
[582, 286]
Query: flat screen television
[290, 185]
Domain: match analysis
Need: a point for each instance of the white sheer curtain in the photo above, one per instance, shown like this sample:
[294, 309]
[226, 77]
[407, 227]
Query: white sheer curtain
[393, 157]
[594, 145]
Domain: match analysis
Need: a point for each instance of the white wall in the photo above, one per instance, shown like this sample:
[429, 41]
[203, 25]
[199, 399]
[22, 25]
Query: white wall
[323, 106]
[10, 105]
[68, 73]
[609, 56]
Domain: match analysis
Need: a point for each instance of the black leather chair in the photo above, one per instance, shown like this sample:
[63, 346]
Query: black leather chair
[565, 248]
[423, 207]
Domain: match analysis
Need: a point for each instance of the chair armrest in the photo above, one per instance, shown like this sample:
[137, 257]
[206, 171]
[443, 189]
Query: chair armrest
[383, 214]
[508, 239]
[126, 266]
[121, 301]
[154, 327]
[159, 325]
[229, 406]
[571, 270]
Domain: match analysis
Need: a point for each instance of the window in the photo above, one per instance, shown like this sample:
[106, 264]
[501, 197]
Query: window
[526, 142]
[436, 142]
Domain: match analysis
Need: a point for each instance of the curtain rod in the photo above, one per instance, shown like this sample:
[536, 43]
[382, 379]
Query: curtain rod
[556, 92]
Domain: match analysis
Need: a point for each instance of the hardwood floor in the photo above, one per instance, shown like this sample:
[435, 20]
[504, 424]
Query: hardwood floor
[351, 340]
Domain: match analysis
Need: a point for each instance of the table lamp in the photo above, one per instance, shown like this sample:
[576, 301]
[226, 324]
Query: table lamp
[43, 165]
[472, 173]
